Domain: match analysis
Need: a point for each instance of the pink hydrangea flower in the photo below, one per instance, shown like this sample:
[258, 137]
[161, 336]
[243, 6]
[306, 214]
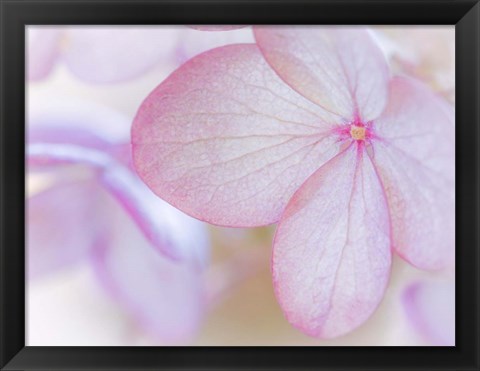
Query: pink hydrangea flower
[430, 307]
[106, 54]
[309, 130]
[147, 255]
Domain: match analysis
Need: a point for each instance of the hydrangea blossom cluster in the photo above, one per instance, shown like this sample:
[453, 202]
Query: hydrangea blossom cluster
[308, 128]
[104, 215]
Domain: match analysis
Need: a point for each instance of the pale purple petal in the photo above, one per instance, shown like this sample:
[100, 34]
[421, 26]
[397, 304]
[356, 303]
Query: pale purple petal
[76, 127]
[111, 54]
[430, 306]
[192, 42]
[59, 231]
[175, 234]
[162, 225]
[165, 297]
[43, 47]
[71, 222]
[66, 143]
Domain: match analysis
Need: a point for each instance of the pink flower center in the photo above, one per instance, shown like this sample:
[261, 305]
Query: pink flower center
[358, 132]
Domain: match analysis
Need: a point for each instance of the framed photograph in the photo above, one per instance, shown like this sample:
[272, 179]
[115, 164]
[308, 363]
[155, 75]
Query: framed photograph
[240, 185]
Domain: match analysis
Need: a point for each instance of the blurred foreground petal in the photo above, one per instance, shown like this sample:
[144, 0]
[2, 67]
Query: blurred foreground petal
[56, 233]
[113, 54]
[110, 54]
[43, 47]
[430, 307]
[165, 297]
[147, 254]
[216, 27]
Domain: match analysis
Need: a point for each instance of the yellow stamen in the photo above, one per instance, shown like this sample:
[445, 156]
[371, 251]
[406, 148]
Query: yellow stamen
[357, 132]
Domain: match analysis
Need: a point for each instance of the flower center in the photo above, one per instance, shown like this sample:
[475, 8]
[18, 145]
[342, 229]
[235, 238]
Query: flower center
[358, 132]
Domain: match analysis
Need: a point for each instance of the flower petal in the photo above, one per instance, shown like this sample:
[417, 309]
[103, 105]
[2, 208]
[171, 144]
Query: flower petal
[171, 232]
[60, 119]
[57, 138]
[331, 255]
[113, 54]
[226, 141]
[43, 45]
[162, 224]
[415, 156]
[341, 69]
[56, 232]
[430, 306]
[165, 297]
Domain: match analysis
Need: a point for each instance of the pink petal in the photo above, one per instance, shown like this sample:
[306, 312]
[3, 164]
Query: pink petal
[331, 255]
[59, 138]
[415, 157]
[226, 141]
[165, 297]
[43, 45]
[431, 309]
[113, 54]
[341, 69]
[57, 235]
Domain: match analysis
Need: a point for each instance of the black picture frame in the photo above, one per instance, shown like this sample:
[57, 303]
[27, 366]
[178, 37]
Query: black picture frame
[16, 14]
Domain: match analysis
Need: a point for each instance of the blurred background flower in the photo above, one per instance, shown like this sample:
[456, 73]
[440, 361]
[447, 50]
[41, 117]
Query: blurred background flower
[430, 307]
[147, 255]
[427, 53]
[111, 264]
[113, 54]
